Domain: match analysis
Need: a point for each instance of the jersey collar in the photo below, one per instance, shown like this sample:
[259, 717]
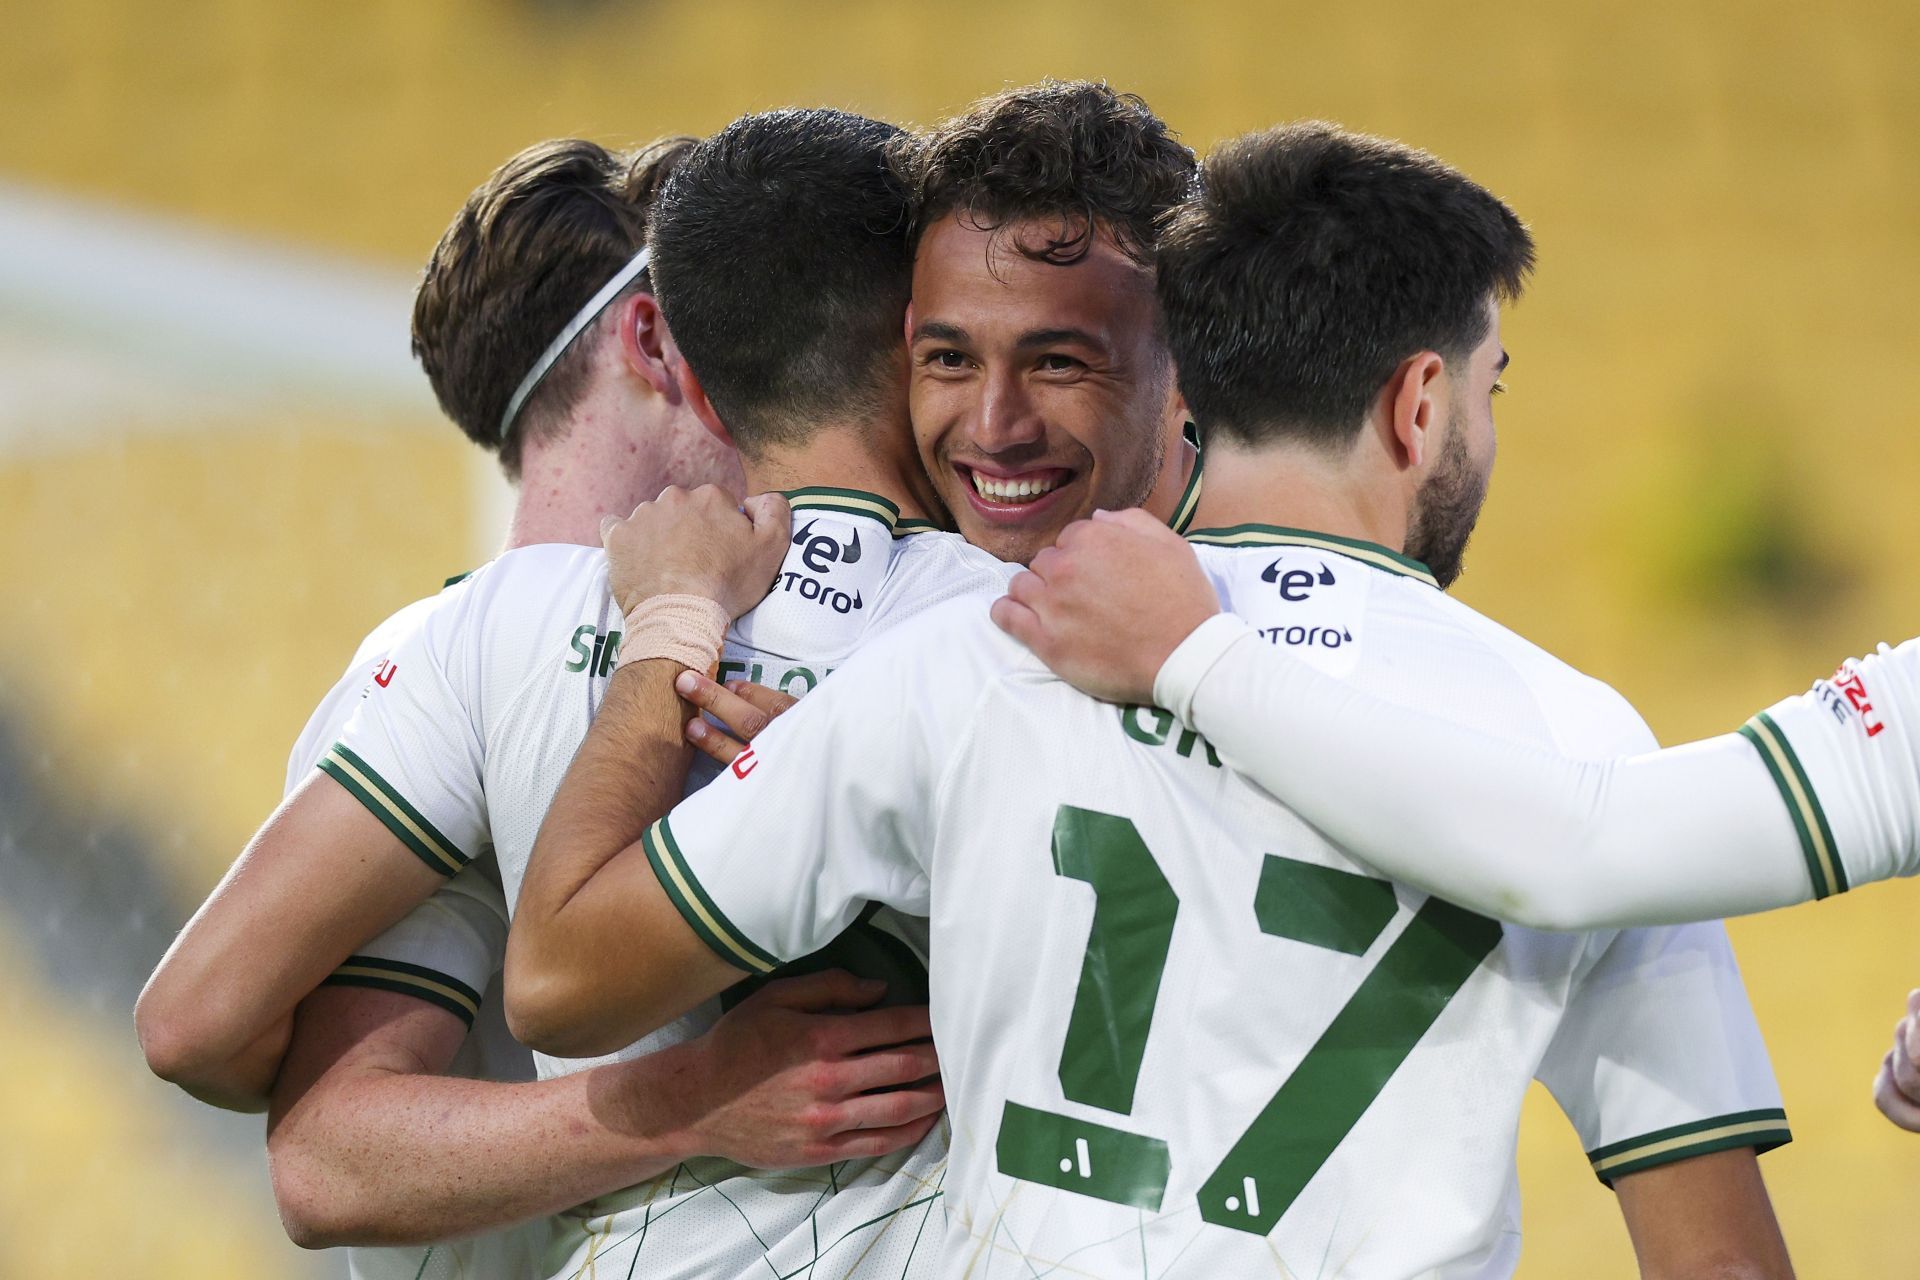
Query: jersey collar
[1267, 535]
[849, 502]
[1190, 496]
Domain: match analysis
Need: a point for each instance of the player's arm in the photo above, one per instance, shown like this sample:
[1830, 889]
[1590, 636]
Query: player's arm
[320, 877]
[590, 917]
[1695, 832]
[770, 862]
[394, 808]
[371, 1144]
[1707, 1216]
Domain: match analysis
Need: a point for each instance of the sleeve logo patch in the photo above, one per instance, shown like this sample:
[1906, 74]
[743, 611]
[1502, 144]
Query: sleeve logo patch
[1846, 696]
[744, 763]
[384, 673]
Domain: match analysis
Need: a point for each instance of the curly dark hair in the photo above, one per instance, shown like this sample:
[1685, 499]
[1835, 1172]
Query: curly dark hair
[530, 246]
[1073, 152]
[1314, 261]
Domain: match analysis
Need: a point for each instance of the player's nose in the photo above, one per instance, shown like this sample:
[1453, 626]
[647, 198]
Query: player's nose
[1007, 418]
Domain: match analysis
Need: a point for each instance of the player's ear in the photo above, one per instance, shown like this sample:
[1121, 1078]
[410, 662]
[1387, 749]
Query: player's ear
[689, 386]
[643, 344]
[906, 327]
[1415, 401]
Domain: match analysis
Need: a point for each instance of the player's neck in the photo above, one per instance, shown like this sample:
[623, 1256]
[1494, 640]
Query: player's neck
[1300, 488]
[876, 457]
[596, 468]
[1170, 486]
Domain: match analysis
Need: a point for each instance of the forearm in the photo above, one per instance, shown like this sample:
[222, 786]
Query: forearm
[1705, 1217]
[380, 1154]
[321, 877]
[1513, 831]
[576, 908]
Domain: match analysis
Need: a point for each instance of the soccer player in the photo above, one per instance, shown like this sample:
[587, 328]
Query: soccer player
[1042, 385]
[1181, 1032]
[538, 330]
[511, 662]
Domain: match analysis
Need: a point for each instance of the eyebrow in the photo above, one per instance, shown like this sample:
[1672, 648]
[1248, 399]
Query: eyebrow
[1505, 359]
[1054, 337]
[939, 331]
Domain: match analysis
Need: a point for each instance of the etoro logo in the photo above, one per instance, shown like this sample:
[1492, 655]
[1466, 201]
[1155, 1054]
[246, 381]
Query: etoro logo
[1296, 584]
[820, 552]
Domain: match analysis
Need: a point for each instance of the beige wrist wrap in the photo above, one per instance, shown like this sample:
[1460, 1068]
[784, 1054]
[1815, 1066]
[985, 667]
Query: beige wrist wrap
[688, 630]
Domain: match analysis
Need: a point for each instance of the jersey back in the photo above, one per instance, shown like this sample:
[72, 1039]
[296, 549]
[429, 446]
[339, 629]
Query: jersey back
[1181, 1033]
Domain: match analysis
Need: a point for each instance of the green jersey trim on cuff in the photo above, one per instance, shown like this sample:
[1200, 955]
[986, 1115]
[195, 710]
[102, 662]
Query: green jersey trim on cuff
[1824, 867]
[388, 805]
[437, 988]
[1762, 1130]
[697, 908]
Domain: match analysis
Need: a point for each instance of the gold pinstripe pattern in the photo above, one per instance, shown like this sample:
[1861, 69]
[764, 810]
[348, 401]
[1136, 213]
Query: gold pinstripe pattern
[1684, 1142]
[376, 788]
[1763, 733]
[461, 998]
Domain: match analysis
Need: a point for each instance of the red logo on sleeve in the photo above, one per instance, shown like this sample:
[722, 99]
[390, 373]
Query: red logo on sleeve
[1854, 689]
[743, 764]
[383, 674]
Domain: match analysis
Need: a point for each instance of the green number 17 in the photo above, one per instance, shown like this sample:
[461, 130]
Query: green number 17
[1314, 1109]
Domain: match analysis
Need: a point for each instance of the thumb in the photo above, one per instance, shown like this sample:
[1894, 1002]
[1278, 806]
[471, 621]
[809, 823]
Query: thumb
[1017, 620]
[834, 989]
[768, 512]
[608, 523]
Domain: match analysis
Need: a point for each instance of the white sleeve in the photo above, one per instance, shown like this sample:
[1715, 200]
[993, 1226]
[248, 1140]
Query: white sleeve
[1658, 1057]
[1692, 833]
[830, 809]
[412, 752]
[445, 951]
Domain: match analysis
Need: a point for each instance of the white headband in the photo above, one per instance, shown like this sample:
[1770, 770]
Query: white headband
[564, 339]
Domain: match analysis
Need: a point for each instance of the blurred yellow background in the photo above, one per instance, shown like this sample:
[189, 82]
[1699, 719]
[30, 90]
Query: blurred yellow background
[217, 470]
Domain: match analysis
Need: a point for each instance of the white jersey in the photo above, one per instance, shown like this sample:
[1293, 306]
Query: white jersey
[461, 749]
[447, 952]
[1181, 1033]
[1659, 837]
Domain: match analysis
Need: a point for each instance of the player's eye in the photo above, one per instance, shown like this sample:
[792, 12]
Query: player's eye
[947, 359]
[1499, 387]
[1055, 362]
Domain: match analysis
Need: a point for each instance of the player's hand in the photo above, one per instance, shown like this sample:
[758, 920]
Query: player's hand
[697, 542]
[789, 1075]
[1896, 1091]
[743, 707]
[1107, 603]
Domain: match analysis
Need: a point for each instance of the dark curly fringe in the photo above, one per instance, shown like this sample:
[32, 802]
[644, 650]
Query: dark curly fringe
[1073, 154]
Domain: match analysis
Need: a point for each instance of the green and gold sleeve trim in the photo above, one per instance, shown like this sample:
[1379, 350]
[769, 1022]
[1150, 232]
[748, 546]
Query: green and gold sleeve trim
[907, 526]
[1761, 1130]
[1266, 535]
[388, 805]
[848, 502]
[699, 910]
[1189, 496]
[1803, 806]
[442, 989]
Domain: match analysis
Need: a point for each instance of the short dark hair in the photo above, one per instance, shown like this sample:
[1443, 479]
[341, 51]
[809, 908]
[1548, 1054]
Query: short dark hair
[528, 249]
[1074, 152]
[1311, 263]
[782, 265]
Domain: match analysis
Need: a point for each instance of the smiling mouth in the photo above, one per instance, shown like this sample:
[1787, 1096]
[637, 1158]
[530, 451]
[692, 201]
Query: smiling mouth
[1014, 491]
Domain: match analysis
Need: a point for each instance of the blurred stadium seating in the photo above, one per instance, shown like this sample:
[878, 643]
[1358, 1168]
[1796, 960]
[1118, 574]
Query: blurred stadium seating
[217, 469]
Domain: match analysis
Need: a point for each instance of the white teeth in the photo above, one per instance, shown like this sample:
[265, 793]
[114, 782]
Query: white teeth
[1016, 490]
